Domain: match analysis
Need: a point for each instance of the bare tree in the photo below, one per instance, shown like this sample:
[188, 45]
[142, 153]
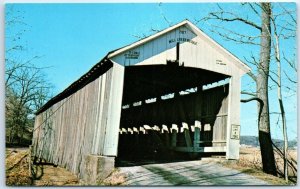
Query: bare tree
[276, 46]
[280, 100]
[262, 39]
[261, 78]
[26, 91]
[25, 83]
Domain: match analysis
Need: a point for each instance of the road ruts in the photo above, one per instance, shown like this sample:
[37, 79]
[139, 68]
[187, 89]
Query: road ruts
[187, 173]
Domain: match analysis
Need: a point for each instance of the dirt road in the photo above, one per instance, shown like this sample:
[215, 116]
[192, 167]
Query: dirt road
[186, 173]
[207, 171]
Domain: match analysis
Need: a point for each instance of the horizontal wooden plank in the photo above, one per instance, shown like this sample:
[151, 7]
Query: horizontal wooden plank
[200, 149]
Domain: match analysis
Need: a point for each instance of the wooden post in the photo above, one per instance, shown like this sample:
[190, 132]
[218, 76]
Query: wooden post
[187, 136]
[136, 142]
[233, 121]
[165, 132]
[198, 114]
[142, 130]
[174, 131]
[197, 134]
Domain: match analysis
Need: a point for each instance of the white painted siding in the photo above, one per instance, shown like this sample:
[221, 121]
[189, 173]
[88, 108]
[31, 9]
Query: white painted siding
[86, 122]
[114, 112]
[198, 52]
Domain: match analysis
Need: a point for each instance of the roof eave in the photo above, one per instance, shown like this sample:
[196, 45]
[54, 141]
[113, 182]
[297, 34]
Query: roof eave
[145, 40]
[195, 29]
[237, 61]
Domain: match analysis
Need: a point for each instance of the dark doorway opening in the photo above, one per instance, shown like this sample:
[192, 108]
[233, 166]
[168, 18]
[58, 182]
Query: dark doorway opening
[159, 98]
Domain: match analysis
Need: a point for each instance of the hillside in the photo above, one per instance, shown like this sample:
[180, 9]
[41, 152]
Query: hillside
[253, 141]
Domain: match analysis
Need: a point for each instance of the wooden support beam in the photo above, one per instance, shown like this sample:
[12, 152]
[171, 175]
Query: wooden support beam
[174, 128]
[164, 129]
[135, 130]
[124, 131]
[174, 131]
[219, 141]
[198, 124]
[193, 128]
[200, 149]
[198, 113]
[165, 132]
[156, 128]
[187, 136]
[232, 144]
[136, 141]
[197, 134]
[142, 130]
[184, 127]
[167, 139]
[147, 127]
[207, 127]
[130, 130]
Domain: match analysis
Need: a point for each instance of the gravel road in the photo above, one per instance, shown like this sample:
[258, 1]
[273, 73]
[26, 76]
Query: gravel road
[187, 173]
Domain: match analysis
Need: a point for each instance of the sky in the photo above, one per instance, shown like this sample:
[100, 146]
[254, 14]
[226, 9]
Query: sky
[71, 38]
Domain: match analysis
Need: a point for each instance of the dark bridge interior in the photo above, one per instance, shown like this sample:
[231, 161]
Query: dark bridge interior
[149, 81]
[154, 101]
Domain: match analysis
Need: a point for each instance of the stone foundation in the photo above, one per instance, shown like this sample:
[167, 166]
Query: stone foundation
[97, 168]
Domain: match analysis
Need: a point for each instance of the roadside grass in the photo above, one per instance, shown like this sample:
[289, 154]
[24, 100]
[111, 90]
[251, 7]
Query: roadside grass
[250, 163]
[257, 173]
[17, 168]
[19, 174]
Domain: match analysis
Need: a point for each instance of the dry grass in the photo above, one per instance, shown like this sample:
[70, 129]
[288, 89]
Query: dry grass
[18, 172]
[55, 176]
[17, 168]
[250, 163]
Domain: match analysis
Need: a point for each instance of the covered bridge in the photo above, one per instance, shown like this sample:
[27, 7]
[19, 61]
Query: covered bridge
[176, 91]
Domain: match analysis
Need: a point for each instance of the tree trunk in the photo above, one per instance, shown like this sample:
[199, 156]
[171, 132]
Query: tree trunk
[10, 135]
[265, 141]
[285, 170]
[280, 100]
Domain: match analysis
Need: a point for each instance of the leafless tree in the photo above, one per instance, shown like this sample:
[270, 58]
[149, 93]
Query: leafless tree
[26, 91]
[262, 39]
[277, 35]
[25, 83]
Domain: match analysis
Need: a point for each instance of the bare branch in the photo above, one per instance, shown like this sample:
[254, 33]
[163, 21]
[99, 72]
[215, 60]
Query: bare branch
[275, 113]
[231, 18]
[291, 80]
[231, 35]
[291, 63]
[288, 13]
[25, 86]
[252, 76]
[248, 93]
[154, 30]
[139, 36]
[163, 14]
[253, 8]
